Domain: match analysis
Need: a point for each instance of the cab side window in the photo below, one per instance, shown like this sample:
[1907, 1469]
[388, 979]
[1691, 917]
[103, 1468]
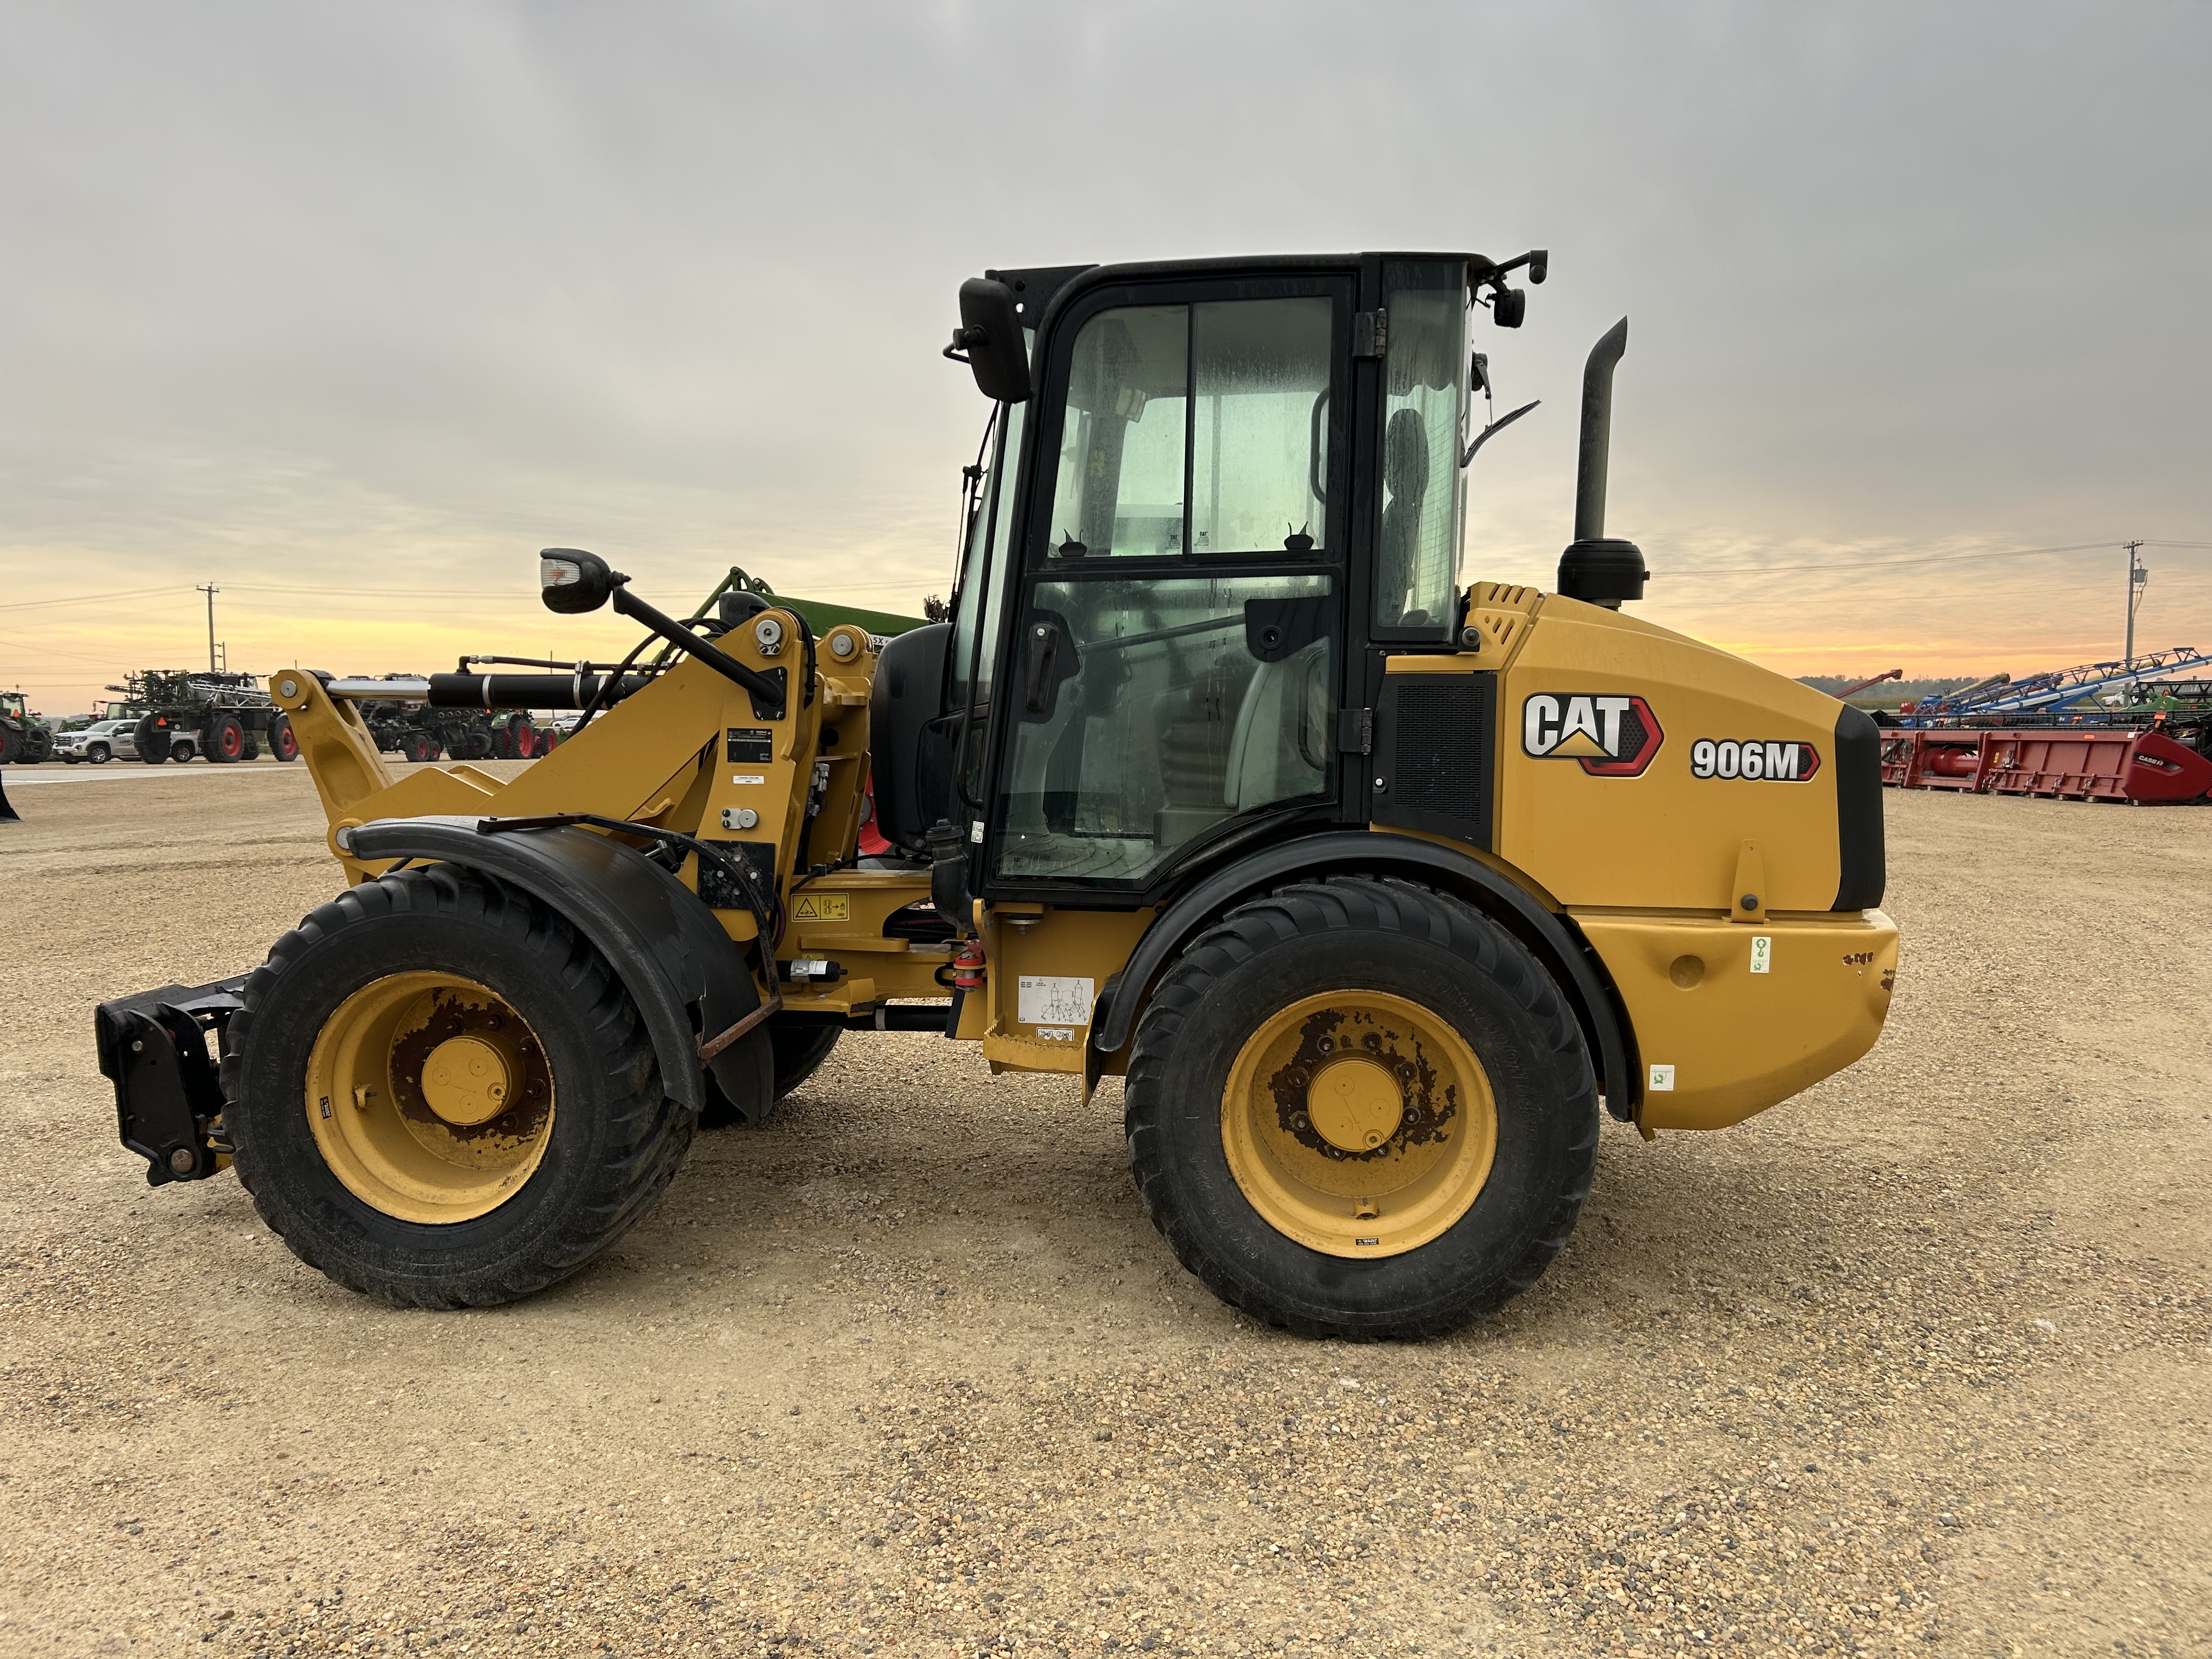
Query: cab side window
[1417, 552]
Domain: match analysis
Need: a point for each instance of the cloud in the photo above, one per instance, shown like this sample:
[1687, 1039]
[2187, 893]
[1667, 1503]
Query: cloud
[388, 297]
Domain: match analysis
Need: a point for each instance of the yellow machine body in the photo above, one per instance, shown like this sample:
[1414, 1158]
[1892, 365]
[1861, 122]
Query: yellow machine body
[1706, 898]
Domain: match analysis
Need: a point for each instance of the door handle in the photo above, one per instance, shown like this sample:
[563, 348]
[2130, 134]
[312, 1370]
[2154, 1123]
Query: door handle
[1043, 688]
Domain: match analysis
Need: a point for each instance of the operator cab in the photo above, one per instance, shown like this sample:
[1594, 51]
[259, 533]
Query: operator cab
[1215, 495]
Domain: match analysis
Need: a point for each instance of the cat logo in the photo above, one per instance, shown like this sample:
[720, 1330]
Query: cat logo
[821, 907]
[1612, 737]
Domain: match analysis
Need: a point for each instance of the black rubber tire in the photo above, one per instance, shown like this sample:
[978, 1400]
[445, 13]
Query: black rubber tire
[798, 1051]
[99, 754]
[150, 740]
[283, 742]
[222, 739]
[1384, 935]
[617, 1138]
[182, 749]
[11, 746]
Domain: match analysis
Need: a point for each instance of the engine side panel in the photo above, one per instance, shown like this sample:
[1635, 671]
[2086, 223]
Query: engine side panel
[1635, 763]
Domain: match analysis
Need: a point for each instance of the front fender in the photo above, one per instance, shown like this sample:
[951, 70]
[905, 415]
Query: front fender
[688, 978]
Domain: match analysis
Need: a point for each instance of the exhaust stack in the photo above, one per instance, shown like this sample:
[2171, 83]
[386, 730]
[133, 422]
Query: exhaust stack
[1595, 569]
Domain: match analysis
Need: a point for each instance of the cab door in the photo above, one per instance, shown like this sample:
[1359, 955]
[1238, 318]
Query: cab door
[1171, 673]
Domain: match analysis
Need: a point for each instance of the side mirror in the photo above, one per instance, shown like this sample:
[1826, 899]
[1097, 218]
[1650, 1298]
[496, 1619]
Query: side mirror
[1510, 306]
[990, 333]
[573, 582]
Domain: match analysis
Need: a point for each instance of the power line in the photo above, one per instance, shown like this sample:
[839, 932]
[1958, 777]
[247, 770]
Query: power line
[93, 598]
[1889, 564]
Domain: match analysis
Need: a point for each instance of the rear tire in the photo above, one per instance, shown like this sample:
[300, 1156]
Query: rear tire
[606, 1143]
[152, 741]
[283, 742]
[1421, 977]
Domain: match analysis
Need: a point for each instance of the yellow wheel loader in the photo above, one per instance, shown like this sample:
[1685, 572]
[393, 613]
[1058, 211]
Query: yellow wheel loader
[1374, 886]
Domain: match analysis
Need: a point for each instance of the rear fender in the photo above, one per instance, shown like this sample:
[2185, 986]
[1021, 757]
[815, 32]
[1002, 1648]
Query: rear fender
[687, 975]
[1554, 939]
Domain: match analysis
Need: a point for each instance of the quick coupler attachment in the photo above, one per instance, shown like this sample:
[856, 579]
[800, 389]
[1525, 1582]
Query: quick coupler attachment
[169, 1099]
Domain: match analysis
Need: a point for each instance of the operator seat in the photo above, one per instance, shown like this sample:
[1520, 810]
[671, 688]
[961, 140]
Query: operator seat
[1406, 477]
[1279, 751]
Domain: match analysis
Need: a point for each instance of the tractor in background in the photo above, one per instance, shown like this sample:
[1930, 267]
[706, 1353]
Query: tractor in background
[226, 717]
[24, 739]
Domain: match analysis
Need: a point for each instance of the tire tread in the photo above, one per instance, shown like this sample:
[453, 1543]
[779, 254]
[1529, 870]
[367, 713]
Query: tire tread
[1316, 907]
[648, 1132]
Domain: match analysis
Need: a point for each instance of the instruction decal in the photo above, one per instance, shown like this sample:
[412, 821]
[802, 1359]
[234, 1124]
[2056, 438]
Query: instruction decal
[1613, 736]
[1755, 759]
[822, 907]
[1663, 1079]
[1055, 1000]
[1762, 953]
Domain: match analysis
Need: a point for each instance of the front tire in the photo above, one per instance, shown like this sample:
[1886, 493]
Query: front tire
[442, 1095]
[1359, 1108]
[283, 742]
[100, 754]
[151, 740]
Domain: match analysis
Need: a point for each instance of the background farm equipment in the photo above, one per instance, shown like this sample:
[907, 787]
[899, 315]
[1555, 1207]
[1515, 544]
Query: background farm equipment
[2102, 730]
[24, 738]
[2147, 765]
[416, 732]
[224, 716]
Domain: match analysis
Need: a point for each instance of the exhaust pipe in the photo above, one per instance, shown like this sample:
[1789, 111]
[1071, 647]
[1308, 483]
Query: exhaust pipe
[1595, 569]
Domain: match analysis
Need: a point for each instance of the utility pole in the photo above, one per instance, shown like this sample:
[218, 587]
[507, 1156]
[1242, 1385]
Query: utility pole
[211, 589]
[2136, 577]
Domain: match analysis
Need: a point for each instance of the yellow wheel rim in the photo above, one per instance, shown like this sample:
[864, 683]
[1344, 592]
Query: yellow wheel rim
[430, 1098]
[1359, 1123]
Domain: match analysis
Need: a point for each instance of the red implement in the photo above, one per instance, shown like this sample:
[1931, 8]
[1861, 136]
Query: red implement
[2089, 763]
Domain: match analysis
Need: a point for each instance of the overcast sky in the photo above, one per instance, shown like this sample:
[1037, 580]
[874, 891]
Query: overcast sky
[350, 308]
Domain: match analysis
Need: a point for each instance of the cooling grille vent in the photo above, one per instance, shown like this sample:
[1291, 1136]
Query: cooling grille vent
[1435, 746]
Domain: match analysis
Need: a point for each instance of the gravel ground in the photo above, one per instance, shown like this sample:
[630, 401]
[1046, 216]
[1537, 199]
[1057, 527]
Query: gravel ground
[1915, 1364]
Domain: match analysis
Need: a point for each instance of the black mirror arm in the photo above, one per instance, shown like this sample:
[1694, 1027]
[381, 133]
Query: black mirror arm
[627, 604]
[1495, 427]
